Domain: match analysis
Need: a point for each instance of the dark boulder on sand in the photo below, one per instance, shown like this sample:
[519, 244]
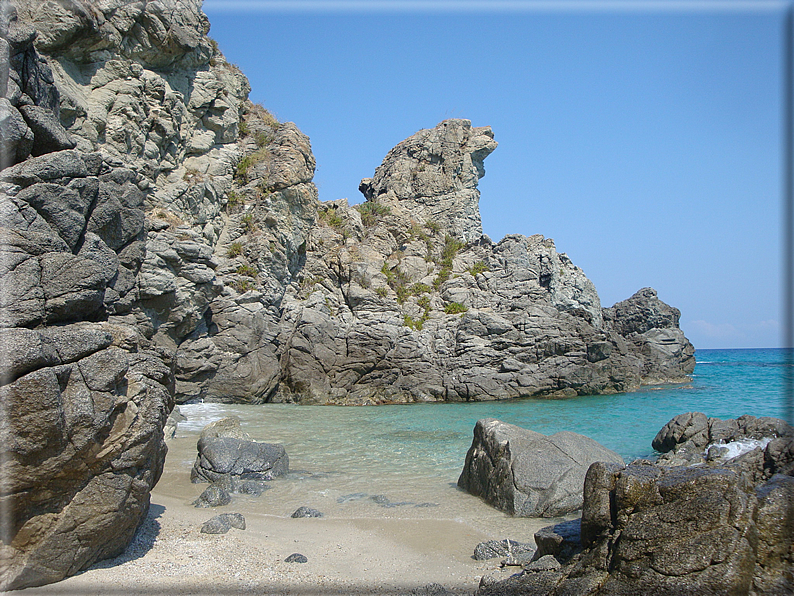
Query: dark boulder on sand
[220, 524]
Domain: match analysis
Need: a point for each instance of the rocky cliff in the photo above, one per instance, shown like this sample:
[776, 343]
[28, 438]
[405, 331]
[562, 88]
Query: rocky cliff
[162, 239]
[265, 294]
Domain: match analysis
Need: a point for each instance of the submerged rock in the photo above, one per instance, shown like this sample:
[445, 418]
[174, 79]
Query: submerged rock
[213, 496]
[528, 474]
[493, 549]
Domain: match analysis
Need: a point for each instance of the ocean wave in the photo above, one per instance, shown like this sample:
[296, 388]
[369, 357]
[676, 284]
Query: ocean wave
[733, 449]
[200, 415]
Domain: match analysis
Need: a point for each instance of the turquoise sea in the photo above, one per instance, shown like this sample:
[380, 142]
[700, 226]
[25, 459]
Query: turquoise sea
[399, 444]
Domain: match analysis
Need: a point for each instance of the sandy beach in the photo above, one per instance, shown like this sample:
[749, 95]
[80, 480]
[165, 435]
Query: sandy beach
[357, 547]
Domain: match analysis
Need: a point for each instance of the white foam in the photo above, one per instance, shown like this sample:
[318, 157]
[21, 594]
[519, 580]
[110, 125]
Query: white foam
[200, 415]
[736, 448]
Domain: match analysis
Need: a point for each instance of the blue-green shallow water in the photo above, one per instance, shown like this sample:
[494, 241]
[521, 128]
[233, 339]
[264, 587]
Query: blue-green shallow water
[431, 440]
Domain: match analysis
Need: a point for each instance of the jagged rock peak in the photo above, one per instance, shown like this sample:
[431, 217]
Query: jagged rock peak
[433, 175]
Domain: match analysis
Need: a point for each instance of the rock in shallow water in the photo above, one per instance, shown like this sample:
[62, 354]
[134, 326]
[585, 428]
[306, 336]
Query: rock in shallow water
[221, 458]
[528, 474]
[492, 549]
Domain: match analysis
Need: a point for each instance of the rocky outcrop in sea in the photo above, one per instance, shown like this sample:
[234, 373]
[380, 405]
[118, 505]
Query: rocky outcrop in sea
[162, 241]
[711, 525]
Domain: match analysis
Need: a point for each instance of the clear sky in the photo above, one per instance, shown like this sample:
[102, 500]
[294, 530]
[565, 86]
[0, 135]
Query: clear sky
[643, 137]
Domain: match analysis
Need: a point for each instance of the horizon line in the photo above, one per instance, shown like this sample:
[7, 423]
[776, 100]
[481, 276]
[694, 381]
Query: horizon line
[498, 6]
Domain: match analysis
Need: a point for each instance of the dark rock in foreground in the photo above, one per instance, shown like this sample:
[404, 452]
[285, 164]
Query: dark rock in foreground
[296, 558]
[710, 528]
[306, 512]
[220, 524]
[526, 473]
[213, 496]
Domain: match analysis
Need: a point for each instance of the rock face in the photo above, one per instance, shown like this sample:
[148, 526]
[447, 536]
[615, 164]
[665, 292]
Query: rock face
[400, 301]
[261, 292]
[714, 528]
[84, 395]
[651, 326]
[528, 474]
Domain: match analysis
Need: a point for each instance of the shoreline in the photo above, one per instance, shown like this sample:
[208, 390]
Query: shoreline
[358, 547]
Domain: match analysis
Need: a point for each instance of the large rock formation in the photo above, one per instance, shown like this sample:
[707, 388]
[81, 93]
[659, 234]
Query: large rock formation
[83, 395]
[156, 222]
[723, 526]
[528, 474]
[265, 294]
[402, 299]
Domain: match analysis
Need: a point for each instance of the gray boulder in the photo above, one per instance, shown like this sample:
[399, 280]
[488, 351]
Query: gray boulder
[306, 512]
[528, 474]
[213, 496]
[81, 447]
[493, 549]
[220, 524]
[225, 458]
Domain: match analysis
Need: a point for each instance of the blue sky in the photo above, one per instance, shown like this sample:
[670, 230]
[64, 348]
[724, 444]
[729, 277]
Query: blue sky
[643, 137]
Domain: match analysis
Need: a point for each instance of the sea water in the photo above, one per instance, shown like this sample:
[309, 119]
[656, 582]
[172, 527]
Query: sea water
[415, 453]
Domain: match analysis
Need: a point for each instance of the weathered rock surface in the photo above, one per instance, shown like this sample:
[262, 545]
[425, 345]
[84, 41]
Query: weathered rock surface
[710, 528]
[222, 459]
[397, 303]
[528, 474]
[83, 412]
